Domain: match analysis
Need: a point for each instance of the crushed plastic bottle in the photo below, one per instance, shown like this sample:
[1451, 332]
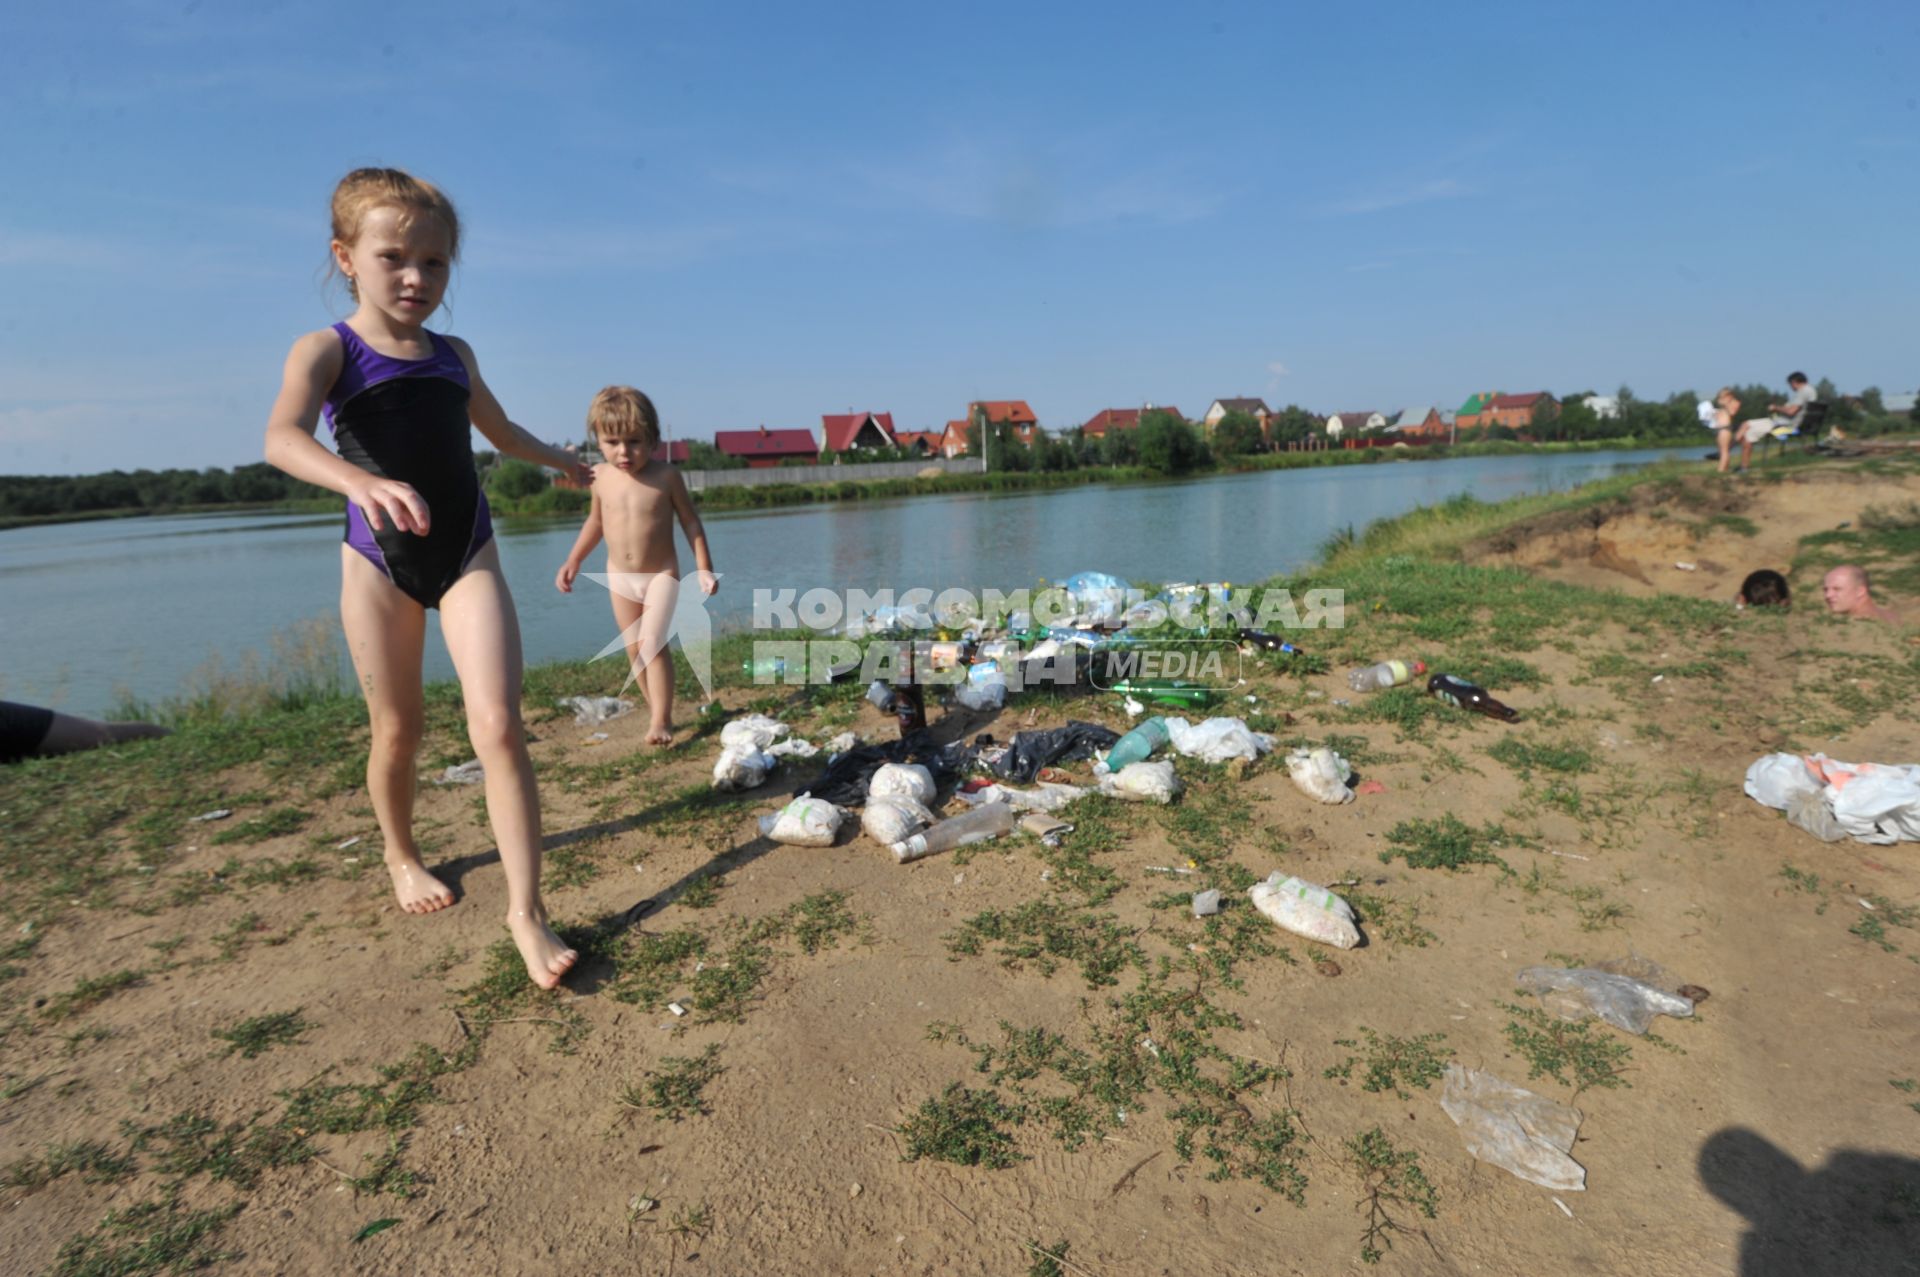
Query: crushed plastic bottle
[988, 820]
[1376, 678]
[1457, 691]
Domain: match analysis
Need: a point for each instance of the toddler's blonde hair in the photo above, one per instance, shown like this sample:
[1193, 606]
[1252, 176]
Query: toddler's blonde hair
[365, 189]
[621, 412]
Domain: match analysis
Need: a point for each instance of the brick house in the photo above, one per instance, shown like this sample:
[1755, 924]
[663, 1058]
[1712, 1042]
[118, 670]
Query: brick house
[854, 431]
[1517, 412]
[1473, 412]
[925, 443]
[1116, 419]
[674, 453]
[1421, 425]
[953, 439]
[1255, 408]
[1009, 412]
[763, 447]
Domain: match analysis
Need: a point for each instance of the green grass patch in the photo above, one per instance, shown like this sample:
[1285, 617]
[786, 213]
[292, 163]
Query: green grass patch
[675, 1091]
[1448, 843]
[1582, 1055]
[1389, 1177]
[1393, 1063]
[963, 1127]
[260, 1034]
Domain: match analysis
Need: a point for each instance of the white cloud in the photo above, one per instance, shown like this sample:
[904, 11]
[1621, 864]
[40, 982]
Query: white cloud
[1279, 369]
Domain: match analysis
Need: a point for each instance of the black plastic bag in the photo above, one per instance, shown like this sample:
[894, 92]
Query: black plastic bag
[1032, 750]
[846, 779]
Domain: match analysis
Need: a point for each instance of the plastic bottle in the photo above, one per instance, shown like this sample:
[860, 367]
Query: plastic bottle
[988, 820]
[1457, 691]
[764, 669]
[1271, 642]
[1386, 674]
[1138, 744]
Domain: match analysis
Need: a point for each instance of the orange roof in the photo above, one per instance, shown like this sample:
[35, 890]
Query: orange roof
[1012, 411]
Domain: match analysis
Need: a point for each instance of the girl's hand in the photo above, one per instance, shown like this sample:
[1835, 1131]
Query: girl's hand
[391, 499]
[708, 582]
[563, 580]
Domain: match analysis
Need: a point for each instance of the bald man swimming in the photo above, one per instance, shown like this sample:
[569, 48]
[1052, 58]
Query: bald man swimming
[1849, 593]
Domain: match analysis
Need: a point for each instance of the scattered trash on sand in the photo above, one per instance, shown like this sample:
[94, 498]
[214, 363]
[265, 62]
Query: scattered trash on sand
[342, 846]
[1217, 740]
[1142, 782]
[1306, 909]
[1620, 1000]
[1320, 774]
[1031, 750]
[892, 818]
[1876, 803]
[989, 820]
[468, 773]
[1510, 1127]
[905, 780]
[591, 711]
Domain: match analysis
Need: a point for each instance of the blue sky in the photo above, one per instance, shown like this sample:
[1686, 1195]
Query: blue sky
[762, 213]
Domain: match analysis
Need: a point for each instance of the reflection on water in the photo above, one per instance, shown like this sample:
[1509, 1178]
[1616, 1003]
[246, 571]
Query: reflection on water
[90, 610]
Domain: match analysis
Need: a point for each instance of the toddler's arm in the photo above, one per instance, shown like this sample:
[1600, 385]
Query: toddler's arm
[696, 534]
[582, 547]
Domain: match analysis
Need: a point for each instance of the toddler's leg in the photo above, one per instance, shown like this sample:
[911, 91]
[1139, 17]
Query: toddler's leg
[657, 657]
[483, 638]
[627, 614]
[385, 630]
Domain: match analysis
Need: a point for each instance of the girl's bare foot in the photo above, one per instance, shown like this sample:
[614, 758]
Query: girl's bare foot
[660, 733]
[417, 890]
[546, 954]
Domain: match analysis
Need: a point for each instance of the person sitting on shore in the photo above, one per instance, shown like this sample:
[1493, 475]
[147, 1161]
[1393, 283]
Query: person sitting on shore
[31, 731]
[1799, 395]
[1849, 593]
[1764, 588]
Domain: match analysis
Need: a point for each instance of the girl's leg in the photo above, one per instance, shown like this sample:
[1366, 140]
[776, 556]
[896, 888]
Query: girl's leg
[657, 657]
[483, 637]
[1726, 448]
[385, 630]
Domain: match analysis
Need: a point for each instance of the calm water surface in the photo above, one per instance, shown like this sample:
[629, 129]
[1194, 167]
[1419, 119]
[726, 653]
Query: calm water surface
[93, 611]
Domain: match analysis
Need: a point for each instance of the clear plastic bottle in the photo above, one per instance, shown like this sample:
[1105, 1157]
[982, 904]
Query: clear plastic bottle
[1386, 674]
[1138, 744]
[988, 820]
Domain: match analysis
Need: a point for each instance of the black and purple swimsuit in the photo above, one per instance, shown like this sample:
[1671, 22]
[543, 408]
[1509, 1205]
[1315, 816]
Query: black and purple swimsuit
[406, 419]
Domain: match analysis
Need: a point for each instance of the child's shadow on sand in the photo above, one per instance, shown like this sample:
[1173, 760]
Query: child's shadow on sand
[1858, 1215]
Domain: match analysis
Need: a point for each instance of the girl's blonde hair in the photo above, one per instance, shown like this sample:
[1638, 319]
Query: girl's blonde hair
[365, 189]
[621, 412]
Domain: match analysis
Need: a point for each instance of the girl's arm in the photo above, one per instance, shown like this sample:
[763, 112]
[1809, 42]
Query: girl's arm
[696, 534]
[512, 440]
[582, 547]
[312, 365]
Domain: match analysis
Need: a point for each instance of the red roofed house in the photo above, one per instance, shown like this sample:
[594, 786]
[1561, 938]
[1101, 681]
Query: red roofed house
[1010, 412]
[1122, 419]
[923, 442]
[852, 431]
[1516, 412]
[674, 452]
[953, 440]
[764, 447]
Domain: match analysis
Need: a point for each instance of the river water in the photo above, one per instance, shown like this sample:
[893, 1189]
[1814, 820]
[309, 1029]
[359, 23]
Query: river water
[92, 612]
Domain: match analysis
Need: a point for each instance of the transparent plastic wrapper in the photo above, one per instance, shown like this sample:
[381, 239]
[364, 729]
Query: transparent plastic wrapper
[741, 768]
[985, 688]
[1306, 909]
[989, 820]
[905, 780]
[841, 744]
[804, 822]
[1142, 783]
[1620, 1000]
[1507, 1126]
[1320, 774]
[893, 818]
[591, 711]
[1810, 810]
[755, 731]
[1098, 599]
[1045, 796]
[1217, 740]
[467, 773]
[1206, 902]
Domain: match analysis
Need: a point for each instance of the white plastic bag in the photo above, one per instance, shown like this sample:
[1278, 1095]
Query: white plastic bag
[1216, 740]
[893, 818]
[1306, 909]
[1875, 803]
[1320, 774]
[1507, 1126]
[741, 768]
[1778, 777]
[908, 780]
[804, 822]
[1045, 796]
[1142, 782]
[841, 744]
[467, 773]
[755, 730]
[1620, 1000]
[591, 711]
[793, 746]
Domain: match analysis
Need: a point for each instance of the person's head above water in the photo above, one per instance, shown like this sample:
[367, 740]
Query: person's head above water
[1765, 588]
[1849, 593]
[395, 238]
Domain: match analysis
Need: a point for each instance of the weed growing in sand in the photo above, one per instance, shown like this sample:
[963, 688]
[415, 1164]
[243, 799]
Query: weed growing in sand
[153, 1237]
[650, 965]
[1448, 843]
[1389, 918]
[93, 1161]
[819, 921]
[263, 1032]
[1047, 1259]
[1393, 1063]
[383, 1172]
[674, 1090]
[1580, 1055]
[1038, 933]
[1100, 824]
[1388, 1177]
[1523, 756]
[189, 1144]
[276, 823]
[90, 992]
[703, 892]
[963, 1127]
[724, 990]
[1909, 1085]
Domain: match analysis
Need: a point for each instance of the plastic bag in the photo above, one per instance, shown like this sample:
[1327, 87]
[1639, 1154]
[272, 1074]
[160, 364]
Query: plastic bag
[1042, 797]
[1875, 803]
[1507, 1126]
[804, 822]
[1032, 750]
[755, 731]
[1142, 782]
[741, 768]
[985, 688]
[847, 776]
[1778, 777]
[468, 773]
[1206, 902]
[892, 818]
[793, 747]
[1306, 909]
[1098, 599]
[1216, 740]
[1321, 774]
[1810, 810]
[841, 744]
[591, 711]
[907, 780]
[1622, 1001]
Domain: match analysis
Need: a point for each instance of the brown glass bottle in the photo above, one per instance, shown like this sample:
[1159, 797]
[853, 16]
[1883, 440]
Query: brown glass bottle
[1457, 691]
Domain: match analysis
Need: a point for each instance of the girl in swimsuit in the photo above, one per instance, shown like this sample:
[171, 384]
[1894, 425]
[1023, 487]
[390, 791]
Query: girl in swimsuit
[399, 400]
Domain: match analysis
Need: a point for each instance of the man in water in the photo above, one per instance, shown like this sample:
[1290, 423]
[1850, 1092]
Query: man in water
[1849, 593]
